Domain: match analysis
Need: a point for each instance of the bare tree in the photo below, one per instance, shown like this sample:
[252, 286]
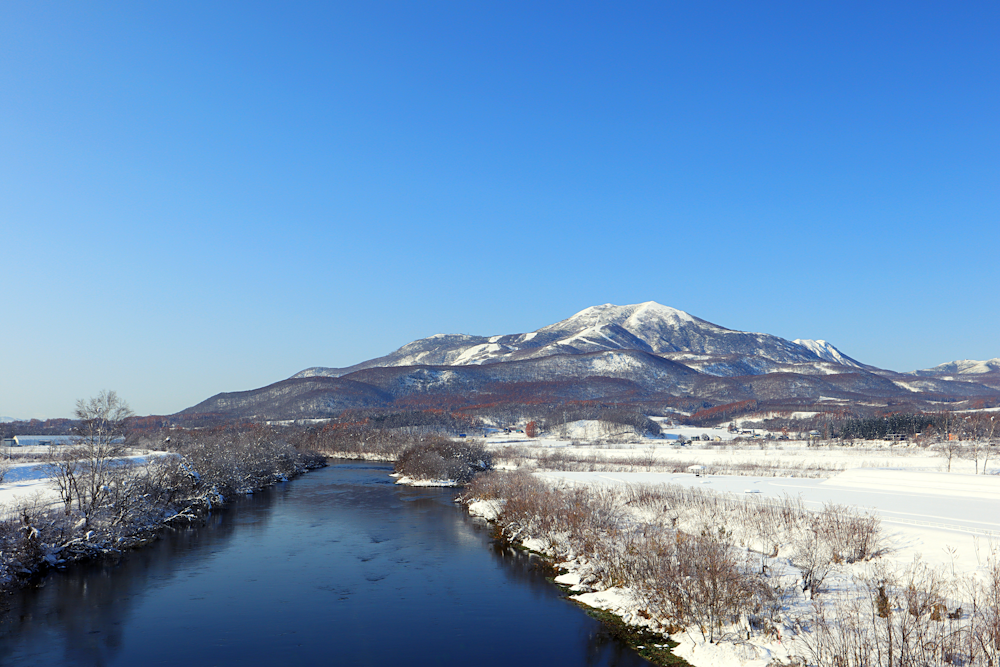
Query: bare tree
[64, 469]
[104, 422]
[949, 449]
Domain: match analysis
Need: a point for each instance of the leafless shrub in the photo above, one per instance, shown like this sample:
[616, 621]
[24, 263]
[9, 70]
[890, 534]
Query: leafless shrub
[815, 540]
[65, 467]
[697, 581]
[28, 536]
[813, 556]
[444, 459]
[360, 441]
[853, 534]
[984, 598]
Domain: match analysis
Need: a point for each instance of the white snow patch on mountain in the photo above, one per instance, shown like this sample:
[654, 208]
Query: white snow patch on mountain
[479, 353]
[826, 351]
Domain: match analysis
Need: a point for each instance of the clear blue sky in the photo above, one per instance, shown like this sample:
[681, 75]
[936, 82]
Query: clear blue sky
[199, 197]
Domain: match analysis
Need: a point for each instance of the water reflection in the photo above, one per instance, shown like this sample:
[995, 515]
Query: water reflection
[340, 566]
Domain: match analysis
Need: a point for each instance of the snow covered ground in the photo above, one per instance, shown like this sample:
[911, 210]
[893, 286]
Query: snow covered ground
[946, 517]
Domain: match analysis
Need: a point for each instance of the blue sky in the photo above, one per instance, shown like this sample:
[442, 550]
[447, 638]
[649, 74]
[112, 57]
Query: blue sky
[199, 197]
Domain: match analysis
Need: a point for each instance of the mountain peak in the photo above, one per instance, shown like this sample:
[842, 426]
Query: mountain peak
[610, 313]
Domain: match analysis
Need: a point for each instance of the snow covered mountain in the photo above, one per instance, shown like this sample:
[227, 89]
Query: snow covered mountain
[964, 370]
[825, 350]
[645, 353]
[962, 367]
[646, 327]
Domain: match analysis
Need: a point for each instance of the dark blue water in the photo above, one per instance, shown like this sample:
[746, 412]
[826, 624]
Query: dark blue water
[339, 567]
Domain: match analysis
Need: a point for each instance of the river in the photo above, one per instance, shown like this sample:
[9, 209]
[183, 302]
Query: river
[338, 567]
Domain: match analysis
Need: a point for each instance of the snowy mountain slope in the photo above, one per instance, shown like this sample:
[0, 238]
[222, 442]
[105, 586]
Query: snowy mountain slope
[826, 351]
[943, 386]
[962, 372]
[647, 371]
[292, 399]
[439, 349]
[731, 365]
[610, 377]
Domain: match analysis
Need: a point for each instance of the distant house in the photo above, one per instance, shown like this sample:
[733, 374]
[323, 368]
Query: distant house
[40, 440]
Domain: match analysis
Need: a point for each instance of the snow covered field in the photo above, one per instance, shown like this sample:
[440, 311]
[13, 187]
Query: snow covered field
[812, 461]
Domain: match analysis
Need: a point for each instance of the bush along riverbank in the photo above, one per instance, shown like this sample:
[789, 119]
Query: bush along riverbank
[108, 501]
